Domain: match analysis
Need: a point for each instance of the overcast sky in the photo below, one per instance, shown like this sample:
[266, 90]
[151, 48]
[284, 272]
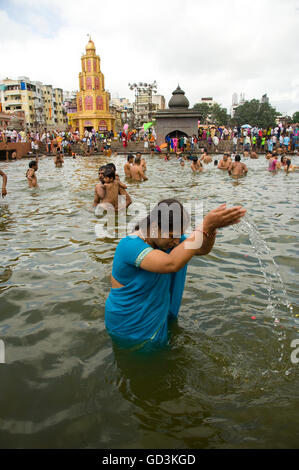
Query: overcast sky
[211, 48]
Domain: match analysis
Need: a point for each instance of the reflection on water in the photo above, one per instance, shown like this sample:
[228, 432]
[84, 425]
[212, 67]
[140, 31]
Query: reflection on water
[224, 380]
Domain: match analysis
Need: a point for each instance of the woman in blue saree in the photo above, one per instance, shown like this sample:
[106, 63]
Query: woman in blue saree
[149, 271]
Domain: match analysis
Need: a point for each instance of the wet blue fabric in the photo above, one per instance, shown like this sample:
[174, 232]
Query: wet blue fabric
[137, 314]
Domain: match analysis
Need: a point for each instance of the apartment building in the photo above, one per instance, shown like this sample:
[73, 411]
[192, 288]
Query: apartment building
[42, 105]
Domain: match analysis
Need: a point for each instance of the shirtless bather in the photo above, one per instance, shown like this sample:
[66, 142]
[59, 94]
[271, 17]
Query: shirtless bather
[196, 165]
[31, 174]
[137, 173]
[128, 165]
[224, 162]
[58, 160]
[108, 190]
[237, 168]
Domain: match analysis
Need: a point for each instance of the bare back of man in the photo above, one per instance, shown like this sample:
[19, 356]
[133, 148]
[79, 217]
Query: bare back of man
[237, 169]
[127, 170]
[137, 173]
[111, 193]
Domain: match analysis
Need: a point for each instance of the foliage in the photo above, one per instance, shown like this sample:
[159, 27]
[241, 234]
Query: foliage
[214, 114]
[219, 115]
[256, 114]
[203, 109]
[295, 117]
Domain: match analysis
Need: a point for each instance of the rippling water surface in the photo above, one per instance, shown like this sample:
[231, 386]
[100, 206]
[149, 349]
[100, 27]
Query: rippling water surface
[225, 380]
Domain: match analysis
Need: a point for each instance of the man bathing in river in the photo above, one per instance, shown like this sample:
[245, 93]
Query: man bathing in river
[137, 173]
[206, 158]
[142, 161]
[108, 190]
[224, 162]
[58, 160]
[237, 168]
[196, 165]
[4, 182]
[31, 174]
[128, 165]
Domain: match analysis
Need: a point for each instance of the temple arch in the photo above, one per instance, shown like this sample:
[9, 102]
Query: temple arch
[177, 133]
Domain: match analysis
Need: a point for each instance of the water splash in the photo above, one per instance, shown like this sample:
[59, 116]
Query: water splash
[272, 278]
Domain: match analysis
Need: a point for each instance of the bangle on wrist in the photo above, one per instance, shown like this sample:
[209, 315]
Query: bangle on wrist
[206, 234]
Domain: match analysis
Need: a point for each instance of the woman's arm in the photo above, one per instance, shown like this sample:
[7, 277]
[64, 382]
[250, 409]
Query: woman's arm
[200, 242]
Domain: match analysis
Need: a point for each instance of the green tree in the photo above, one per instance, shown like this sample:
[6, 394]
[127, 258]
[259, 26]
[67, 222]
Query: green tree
[295, 118]
[219, 115]
[255, 113]
[203, 109]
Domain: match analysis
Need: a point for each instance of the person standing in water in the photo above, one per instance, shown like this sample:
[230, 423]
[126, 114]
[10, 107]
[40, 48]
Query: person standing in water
[224, 162]
[109, 188]
[31, 174]
[149, 272]
[137, 173]
[273, 164]
[237, 168]
[196, 165]
[4, 183]
[128, 165]
[59, 160]
[142, 161]
[206, 158]
[289, 167]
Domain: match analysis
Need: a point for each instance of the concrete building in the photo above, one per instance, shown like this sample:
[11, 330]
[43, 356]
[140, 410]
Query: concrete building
[158, 102]
[236, 102]
[146, 104]
[209, 100]
[122, 110]
[265, 99]
[178, 120]
[41, 104]
[54, 113]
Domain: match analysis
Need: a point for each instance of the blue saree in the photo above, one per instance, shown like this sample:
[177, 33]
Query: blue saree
[137, 314]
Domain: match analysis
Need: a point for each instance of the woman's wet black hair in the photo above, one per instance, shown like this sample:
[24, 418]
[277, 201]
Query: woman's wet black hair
[169, 216]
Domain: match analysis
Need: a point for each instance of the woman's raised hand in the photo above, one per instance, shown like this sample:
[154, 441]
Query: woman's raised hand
[222, 217]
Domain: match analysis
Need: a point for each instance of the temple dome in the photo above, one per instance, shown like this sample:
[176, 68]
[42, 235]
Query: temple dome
[90, 46]
[178, 99]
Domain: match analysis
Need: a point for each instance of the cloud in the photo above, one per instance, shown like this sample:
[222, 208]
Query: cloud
[210, 48]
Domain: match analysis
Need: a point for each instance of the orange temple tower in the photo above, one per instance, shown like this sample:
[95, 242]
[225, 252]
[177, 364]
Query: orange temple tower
[92, 99]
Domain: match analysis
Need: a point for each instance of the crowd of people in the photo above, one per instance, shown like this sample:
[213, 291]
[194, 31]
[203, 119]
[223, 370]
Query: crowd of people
[245, 138]
[241, 138]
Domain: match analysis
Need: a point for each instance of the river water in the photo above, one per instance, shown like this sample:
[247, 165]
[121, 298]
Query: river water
[226, 380]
